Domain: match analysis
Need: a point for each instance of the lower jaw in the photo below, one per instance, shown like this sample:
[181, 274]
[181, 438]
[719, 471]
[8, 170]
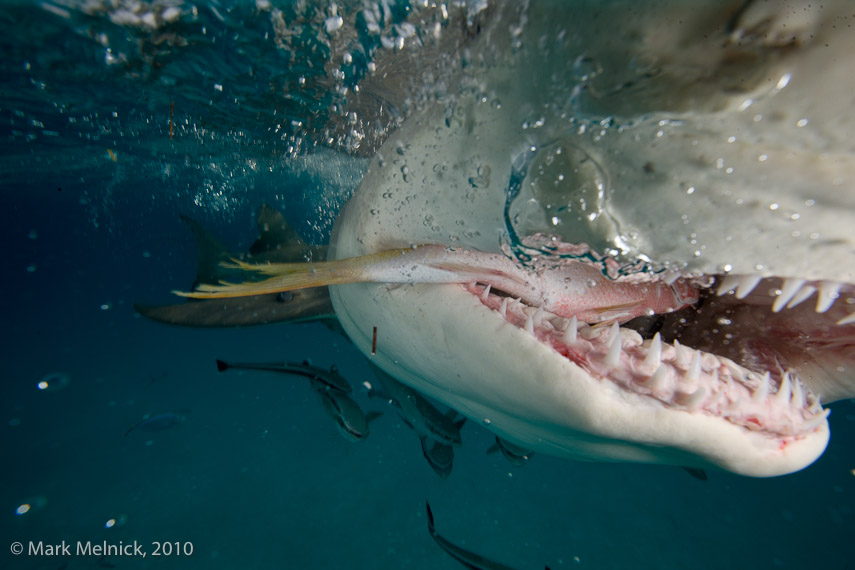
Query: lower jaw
[442, 341]
[683, 380]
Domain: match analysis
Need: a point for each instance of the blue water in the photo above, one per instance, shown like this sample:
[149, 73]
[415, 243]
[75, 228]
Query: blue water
[257, 475]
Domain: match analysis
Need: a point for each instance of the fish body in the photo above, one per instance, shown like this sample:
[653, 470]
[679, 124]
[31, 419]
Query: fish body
[352, 422]
[418, 413]
[565, 287]
[325, 377]
[158, 422]
[516, 455]
[440, 456]
[330, 387]
[462, 555]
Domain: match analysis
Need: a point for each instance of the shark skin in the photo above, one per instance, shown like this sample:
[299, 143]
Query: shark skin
[724, 156]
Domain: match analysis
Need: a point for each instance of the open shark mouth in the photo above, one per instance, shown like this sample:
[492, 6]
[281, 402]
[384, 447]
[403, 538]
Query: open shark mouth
[747, 353]
[738, 354]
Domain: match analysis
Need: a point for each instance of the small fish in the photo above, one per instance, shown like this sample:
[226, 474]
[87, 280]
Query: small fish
[465, 557]
[417, 412]
[331, 388]
[698, 474]
[352, 422]
[439, 456]
[330, 378]
[158, 422]
[516, 455]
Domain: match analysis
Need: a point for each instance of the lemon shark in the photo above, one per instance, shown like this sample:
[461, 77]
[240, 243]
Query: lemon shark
[627, 238]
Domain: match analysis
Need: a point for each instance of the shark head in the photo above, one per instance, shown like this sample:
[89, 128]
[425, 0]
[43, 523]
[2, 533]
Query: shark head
[713, 144]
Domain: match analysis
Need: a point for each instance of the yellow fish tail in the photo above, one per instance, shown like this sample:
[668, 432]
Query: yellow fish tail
[292, 276]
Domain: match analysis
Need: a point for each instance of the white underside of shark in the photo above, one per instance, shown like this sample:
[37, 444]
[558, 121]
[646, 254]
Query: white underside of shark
[753, 184]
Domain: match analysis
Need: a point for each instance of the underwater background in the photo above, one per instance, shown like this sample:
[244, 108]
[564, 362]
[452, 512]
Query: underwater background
[117, 117]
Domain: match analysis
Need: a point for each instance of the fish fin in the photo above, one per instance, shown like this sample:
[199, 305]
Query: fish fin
[371, 416]
[210, 251]
[274, 232]
[292, 276]
[612, 313]
[403, 419]
[431, 528]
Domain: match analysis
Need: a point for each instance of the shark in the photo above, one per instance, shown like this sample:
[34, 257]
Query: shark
[627, 238]
[278, 241]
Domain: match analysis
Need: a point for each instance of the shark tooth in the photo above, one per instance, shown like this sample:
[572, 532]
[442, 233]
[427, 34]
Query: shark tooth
[828, 293]
[728, 284]
[485, 294]
[570, 332]
[694, 371]
[538, 316]
[656, 381]
[747, 284]
[816, 420]
[654, 352]
[762, 389]
[691, 401]
[784, 392]
[788, 291]
[529, 324]
[613, 356]
[847, 320]
[798, 399]
[805, 292]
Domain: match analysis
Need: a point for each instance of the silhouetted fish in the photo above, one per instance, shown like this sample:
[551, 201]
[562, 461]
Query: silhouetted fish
[439, 456]
[352, 422]
[417, 412]
[516, 455]
[330, 378]
[330, 387]
[465, 557]
[697, 473]
[158, 422]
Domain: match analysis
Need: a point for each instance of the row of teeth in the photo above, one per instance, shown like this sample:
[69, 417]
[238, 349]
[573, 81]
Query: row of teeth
[673, 373]
[793, 292]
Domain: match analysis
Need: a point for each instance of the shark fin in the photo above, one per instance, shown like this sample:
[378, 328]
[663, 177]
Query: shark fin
[274, 232]
[210, 252]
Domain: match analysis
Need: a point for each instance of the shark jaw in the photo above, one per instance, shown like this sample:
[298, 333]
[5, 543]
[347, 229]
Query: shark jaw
[603, 392]
[537, 386]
